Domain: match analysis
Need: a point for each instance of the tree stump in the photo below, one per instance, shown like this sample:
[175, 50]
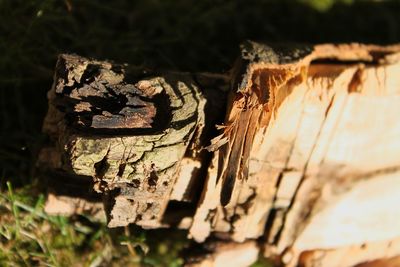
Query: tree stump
[307, 160]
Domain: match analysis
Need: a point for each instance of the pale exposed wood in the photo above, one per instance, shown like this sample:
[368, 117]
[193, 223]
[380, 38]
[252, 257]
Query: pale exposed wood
[188, 173]
[67, 206]
[206, 210]
[297, 131]
[355, 255]
[387, 262]
[359, 147]
[228, 254]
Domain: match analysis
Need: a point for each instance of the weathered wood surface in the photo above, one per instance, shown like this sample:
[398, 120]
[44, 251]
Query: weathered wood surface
[307, 161]
[129, 137]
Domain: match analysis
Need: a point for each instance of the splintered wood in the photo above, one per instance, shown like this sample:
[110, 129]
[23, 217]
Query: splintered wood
[307, 160]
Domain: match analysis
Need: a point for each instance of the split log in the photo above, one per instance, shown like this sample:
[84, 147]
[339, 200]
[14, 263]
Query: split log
[309, 154]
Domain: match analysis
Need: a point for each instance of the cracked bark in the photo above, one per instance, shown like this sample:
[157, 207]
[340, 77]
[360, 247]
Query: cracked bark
[129, 137]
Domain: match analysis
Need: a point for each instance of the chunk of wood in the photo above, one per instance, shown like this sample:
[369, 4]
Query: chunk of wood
[130, 138]
[57, 204]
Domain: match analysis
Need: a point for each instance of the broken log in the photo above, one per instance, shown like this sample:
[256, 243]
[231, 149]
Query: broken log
[307, 161]
[309, 154]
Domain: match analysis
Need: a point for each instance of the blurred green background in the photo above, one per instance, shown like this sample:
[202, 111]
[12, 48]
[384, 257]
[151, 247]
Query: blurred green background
[187, 35]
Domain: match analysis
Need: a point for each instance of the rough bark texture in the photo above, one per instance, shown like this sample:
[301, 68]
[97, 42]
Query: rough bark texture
[129, 137]
[307, 160]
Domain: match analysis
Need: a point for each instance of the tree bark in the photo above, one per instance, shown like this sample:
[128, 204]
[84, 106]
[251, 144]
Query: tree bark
[130, 138]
